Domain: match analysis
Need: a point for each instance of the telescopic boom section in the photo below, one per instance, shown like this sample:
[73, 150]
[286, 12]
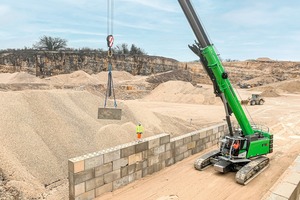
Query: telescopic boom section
[214, 63]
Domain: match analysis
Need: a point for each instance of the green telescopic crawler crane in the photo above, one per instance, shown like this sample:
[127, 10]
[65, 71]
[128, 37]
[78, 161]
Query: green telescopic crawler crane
[243, 149]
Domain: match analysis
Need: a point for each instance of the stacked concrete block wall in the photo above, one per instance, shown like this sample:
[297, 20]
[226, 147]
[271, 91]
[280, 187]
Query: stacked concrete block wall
[93, 174]
[288, 185]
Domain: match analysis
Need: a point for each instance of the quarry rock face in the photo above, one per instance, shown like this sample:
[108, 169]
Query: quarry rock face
[48, 63]
[246, 74]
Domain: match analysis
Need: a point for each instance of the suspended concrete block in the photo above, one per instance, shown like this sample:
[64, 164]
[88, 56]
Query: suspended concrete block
[110, 113]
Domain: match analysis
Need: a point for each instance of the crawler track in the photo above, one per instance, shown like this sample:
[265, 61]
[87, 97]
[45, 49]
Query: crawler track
[205, 160]
[251, 170]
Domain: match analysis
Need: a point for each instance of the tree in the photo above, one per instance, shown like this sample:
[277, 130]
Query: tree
[134, 50]
[50, 43]
[123, 49]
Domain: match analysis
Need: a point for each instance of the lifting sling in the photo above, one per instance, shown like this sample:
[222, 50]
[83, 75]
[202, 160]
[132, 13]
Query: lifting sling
[110, 113]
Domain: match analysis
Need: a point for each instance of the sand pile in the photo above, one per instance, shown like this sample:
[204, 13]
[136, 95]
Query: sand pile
[270, 92]
[181, 92]
[118, 76]
[19, 77]
[75, 78]
[41, 130]
[292, 86]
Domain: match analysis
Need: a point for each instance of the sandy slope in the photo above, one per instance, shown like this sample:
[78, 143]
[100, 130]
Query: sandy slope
[41, 129]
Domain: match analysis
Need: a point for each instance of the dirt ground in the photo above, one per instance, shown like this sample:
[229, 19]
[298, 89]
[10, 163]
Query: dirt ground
[40, 129]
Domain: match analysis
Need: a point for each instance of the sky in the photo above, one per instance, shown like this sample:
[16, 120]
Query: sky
[239, 30]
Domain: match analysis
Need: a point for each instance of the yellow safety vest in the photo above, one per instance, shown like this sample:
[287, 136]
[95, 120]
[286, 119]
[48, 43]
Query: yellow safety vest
[139, 129]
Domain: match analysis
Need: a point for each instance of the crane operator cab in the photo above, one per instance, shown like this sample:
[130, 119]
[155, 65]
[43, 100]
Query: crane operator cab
[233, 147]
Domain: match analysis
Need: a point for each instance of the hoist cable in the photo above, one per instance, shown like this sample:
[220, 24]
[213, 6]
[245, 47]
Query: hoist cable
[110, 17]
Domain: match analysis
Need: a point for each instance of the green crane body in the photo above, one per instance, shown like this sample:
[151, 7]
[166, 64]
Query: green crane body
[257, 142]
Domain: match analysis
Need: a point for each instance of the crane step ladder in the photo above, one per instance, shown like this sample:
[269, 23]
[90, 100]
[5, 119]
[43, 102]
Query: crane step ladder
[110, 113]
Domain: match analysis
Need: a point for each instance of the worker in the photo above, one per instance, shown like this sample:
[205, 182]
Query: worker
[236, 147]
[139, 131]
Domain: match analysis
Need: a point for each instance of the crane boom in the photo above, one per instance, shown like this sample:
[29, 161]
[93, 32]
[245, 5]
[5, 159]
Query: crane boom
[212, 64]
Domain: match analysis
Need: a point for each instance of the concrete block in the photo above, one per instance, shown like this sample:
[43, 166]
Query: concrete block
[284, 190]
[209, 132]
[150, 169]
[198, 149]
[157, 150]
[200, 142]
[293, 178]
[144, 172]
[164, 139]
[275, 197]
[79, 189]
[178, 143]
[139, 165]
[127, 151]
[94, 183]
[191, 145]
[180, 150]
[153, 160]
[154, 143]
[164, 156]
[131, 177]
[111, 156]
[117, 164]
[93, 162]
[179, 158]
[170, 162]
[187, 154]
[141, 147]
[131, 159]
[172, 145]
[83, 176]
[215, 130]
[124, 171]
[202, 134]
[213, 137]
[144, 155]
[110, 113]
[195, 137]
[207, 139]
[138, 174]
[145, 164]
[131, 168]
[187, 139]
[221, 128]
[208, 144]
[112, 176]
[139, 157]
[76, 166]
[86, 196]
[103, 169]
[168, 146]
[103, 189]
[215, 142]
[158, 166]
[120, 182]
